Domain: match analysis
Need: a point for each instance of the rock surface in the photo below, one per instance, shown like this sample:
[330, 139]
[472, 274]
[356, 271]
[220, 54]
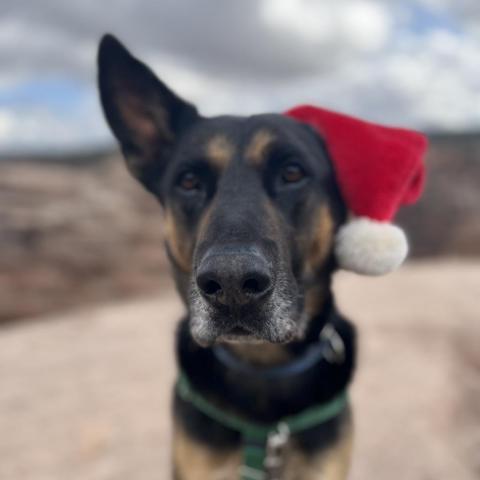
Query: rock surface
[72, 235]
[446, 220]
[85, 395]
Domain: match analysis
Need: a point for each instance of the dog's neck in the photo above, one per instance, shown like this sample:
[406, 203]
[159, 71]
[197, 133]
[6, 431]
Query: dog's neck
[260, 398]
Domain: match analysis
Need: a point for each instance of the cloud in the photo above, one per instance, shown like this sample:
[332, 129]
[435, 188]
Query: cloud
[358, 25]
[412, 63]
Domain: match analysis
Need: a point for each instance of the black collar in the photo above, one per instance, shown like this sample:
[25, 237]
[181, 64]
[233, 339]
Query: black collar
[329, 347]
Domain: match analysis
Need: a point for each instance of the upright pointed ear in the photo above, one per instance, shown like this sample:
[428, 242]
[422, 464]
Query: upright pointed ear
[144, 114]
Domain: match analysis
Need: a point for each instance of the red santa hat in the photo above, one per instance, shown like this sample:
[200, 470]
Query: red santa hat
[378, 170]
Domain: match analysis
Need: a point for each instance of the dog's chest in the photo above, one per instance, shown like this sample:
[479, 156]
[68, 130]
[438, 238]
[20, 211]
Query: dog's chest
[196, 461]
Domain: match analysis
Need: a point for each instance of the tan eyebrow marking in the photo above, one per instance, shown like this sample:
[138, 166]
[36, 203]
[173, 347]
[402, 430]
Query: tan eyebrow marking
[219, 151]
[255, 151]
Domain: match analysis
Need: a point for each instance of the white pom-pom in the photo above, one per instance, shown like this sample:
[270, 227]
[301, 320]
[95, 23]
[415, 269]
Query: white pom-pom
[370, 247]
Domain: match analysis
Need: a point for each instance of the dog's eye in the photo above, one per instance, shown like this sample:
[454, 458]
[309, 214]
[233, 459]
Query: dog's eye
[189, 181]
[292, 173]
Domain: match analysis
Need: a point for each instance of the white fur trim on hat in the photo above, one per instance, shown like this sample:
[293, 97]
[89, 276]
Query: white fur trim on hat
[370, 247]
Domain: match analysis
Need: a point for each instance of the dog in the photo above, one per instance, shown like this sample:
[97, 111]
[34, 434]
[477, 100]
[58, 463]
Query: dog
[251, 208]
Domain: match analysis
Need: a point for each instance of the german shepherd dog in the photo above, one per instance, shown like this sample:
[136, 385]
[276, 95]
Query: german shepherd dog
[251, 209]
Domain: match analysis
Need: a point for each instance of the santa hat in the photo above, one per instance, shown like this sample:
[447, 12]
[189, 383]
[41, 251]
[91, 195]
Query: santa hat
[378, 169]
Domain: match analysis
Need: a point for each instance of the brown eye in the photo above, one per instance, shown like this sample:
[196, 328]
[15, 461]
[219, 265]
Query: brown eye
[189, 181]
[292, 173]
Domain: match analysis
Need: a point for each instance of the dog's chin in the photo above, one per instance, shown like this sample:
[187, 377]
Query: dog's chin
[241, 335]
[207, 331]
[248, 339]
[208, 339]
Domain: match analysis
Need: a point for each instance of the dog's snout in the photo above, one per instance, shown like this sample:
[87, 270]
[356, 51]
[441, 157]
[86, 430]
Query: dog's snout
[234, 279]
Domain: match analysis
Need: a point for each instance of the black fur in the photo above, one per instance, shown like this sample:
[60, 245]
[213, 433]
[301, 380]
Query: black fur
[162, 137]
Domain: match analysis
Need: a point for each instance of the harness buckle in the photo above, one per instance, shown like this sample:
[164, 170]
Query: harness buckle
[275, 453]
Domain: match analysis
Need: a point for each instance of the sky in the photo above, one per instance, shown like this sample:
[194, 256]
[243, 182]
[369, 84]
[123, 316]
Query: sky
[410, 63]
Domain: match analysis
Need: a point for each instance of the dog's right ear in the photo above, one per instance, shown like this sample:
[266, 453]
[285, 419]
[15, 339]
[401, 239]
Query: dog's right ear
[144, 114]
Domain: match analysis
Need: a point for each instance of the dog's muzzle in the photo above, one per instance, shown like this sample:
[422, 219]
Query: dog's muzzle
[237, 295]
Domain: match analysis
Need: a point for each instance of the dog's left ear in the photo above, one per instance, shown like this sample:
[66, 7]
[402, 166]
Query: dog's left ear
[144, 114]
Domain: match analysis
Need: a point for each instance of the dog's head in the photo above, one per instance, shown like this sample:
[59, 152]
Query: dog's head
[251, 204]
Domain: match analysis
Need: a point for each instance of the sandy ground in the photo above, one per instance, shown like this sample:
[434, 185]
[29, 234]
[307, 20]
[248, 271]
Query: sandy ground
[85, 395]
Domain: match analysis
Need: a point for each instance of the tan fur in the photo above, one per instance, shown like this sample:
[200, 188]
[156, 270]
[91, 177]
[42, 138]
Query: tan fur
[146, 125]
[315, 298]
[255, 151]
[219, 151]
[317, 243]
[194, 461]
[334, 464]
[147, 129]
[204, 223]
[322, 238]
[178, 242]
[261, 354]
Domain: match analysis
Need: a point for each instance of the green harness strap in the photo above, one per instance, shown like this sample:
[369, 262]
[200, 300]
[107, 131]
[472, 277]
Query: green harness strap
[255, 435]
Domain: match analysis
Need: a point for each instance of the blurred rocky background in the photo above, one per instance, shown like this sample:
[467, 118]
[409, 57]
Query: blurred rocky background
[74, 231]
[446, 220]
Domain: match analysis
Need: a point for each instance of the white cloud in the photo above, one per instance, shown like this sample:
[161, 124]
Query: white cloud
[358, 24]
[6, 124]
[373, 58]
[367, 25]
[312, 21]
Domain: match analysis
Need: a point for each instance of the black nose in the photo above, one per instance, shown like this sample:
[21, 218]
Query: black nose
[234, 279]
